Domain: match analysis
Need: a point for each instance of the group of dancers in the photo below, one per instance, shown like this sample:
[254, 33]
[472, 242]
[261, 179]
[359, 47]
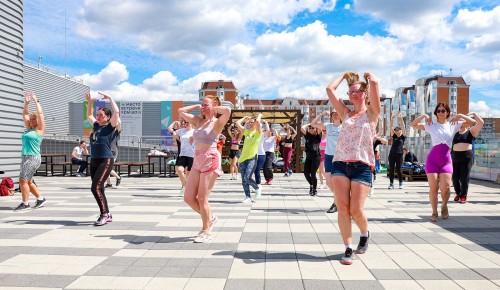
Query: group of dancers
[345, 146]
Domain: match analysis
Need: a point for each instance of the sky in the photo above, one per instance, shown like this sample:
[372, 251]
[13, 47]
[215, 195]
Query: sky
[163, 50]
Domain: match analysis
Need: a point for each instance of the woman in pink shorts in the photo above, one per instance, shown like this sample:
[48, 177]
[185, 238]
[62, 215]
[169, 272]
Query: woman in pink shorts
[438, 165]
[207, 159]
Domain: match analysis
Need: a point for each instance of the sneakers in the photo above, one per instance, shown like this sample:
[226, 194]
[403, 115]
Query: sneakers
[40, 203]
[332, 209]
[103, 219]
[391, 186]
[457, 197]
[109, 185]
[22, 206]
[463, 199]
[203, 237]
[257, 193]
[314, 192]
[213, 221]
[363, 244]
[286, 174]
[232, 178]
[371, 192]
[79, 174]
[348, 257]
[118, 181]
[247, 200]
[401, 186]
[290, 173]
[268, 181]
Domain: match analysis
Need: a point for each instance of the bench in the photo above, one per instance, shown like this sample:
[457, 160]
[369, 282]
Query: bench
[141, 167]
[64, 167]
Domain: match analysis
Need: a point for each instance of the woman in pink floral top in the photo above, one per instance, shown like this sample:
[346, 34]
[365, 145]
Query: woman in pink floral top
[354, 159]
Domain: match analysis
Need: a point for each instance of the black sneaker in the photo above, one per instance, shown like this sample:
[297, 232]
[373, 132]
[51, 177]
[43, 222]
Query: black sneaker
[311, 191]
[363, 244]
[118, 181]
[314, 192]
[332, 209]
[348, 257]
[109, 185]
[22, 206]
[40, 203]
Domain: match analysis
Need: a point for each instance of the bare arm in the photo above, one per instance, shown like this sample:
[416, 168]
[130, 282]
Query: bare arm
[337, 103]
[41, 119]
[382, 140]
[171, 127]
[230, 133]
[73, 154]
[391, 125]
[303, 129]
[225, 113]
[317, 124]
[294, 132]
[26, 110]
[90, 109]
[416, 123]
[185, 113]
[468, 121]
[238, 124]
[403, 125]
[115, 119]
[479, 125]
[259, 125]
[374, 96]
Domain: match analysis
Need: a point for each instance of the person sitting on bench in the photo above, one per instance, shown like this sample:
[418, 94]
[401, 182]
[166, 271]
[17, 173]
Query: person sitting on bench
[77, 158]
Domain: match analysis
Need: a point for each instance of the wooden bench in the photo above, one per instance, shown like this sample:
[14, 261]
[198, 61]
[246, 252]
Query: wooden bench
[64, 167]
[141, 167]
[118, 166]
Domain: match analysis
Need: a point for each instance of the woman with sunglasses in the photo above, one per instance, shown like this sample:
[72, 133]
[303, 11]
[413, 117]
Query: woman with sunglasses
[354, 159]
[396, 153]
[313, 156]
[102, 159]
[207, 159]
[438, 165]
[184, 160]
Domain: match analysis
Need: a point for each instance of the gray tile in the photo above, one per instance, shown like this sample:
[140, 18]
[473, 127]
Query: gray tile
[176, 272]
[216, 262]
[361, 284]
[106, 270]
[462, 274]
[211, 272]
[23, 280]
[150, 262]
[278, 284]
[6, 256]
[244, 284]
[489, 273]
[322, 284]
[119, 261]
[280, 255]
[183, 262]
[390, 274]
[224, 246]
[250, 255]
[426, 274]
[138, 271]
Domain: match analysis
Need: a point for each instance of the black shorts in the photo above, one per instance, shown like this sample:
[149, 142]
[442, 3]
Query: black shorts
[234, 153]
[184, 161]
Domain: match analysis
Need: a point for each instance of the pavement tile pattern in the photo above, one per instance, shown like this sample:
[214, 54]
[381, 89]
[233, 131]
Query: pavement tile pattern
[284, 240]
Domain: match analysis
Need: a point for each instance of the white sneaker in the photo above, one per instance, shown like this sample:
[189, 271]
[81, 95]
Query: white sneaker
[203, 237]
[321, 186]
[213, 221]
[401, 186]
[372, 192]
[257, 193]
[247, 200]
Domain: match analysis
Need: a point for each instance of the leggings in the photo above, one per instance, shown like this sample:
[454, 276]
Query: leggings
[395, 161]
[462, 165]
[310, 168]
[260, 163]
[287, 157]
[100, 168]
[268, 166]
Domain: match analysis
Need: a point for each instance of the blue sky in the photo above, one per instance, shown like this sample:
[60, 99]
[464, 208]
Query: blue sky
[164, 50]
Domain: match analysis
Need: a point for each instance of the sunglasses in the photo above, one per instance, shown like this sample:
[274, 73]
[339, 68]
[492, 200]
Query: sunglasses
[440, 111]
[355, 92]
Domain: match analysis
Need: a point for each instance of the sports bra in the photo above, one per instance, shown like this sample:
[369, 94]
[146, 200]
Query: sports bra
[466, 137]
[235, 142]
[289, 140]
[205, 135]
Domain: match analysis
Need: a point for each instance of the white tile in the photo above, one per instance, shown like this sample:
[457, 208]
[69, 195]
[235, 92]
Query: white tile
[161, 283]
[400, 285]
[438, 284]
[205, 284]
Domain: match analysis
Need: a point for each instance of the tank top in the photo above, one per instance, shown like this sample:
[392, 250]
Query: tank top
[288, 139]
[322, 144]
[355, 142]
[206, 135]
[31, 143]
[466, 137]
[332, 133]
[235, 142]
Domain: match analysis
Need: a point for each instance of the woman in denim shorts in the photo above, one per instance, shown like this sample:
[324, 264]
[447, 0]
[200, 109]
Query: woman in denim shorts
[354, 159]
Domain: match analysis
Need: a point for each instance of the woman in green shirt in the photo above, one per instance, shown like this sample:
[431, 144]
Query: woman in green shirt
[31, 157]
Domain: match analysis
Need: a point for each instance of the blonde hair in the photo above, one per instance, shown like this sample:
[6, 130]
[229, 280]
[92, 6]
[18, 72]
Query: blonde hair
[37, 116]
[352, 78]
[215, 100]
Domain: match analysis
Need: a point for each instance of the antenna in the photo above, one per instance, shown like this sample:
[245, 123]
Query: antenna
[65, 74]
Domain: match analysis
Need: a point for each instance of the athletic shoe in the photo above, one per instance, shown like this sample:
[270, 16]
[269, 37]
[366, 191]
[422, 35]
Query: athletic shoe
[203, 237]
[247, 200]
[213, 221]
[103, 219]
[118, 181]
[332, 209]
[40, 203]
[363, 244]
[286, 174]
[22, 206]
[348, 257]
[401, 186]
[311, 191]
[391, 186]
[268, 182]
[463, 199]
[257, 193]
[78, 174]
[371, 192]
[314, 192]
[457, 197]
[109, 185]
[290, 173]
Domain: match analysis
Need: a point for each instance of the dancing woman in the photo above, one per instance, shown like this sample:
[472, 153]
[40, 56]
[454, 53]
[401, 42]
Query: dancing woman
[288, 148]
[313, 157]
[234, 151]
[207, 159]
[354, 160]
[31, 157]
[269, 145]
[184, 161]
[438, 165]
[398, 135]
[102, 159]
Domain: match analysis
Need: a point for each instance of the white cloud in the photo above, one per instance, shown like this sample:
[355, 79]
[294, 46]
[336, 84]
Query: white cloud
[479, 28]
[483, 110]
[486, 77]
[113, 74]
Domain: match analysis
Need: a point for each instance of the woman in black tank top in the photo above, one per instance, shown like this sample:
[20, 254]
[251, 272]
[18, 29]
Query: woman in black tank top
[462, 156]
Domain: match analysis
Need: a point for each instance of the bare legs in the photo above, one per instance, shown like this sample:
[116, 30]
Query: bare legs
[180, 172]
[197, 191]
[441, 181]
[26, 188]
[233, 167]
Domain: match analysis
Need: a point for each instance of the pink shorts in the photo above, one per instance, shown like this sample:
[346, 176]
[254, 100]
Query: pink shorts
[322, 153]
[206, 160]
[439, 160]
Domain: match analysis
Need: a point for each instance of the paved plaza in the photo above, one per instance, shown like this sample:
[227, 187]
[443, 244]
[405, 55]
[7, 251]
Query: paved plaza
[284, 240]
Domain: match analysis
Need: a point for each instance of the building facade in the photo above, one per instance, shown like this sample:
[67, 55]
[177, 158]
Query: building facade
[224, 89]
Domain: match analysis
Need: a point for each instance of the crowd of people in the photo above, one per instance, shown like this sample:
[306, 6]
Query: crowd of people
[344, 151]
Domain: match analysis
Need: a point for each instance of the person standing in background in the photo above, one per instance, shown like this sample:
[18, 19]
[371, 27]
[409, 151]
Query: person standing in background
[234, 152]
[398, 136]
[269, 148]
[288, 148]
[261, 153]
[313, 157]
[184, 160]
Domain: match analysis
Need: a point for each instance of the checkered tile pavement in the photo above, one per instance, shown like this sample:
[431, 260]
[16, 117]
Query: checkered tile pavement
[284, 240]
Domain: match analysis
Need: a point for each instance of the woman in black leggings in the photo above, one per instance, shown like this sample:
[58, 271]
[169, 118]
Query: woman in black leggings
[102, 161]
[313, 156]
[396, 154]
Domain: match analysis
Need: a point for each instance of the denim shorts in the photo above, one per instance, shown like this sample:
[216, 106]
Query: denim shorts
[355, 171]
[328, 163]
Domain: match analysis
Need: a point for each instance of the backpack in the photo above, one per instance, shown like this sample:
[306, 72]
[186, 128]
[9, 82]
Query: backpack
[6, 186]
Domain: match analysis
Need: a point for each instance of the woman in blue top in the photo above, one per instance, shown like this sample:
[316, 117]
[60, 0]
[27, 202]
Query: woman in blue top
[31, 157]
[102, 161]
